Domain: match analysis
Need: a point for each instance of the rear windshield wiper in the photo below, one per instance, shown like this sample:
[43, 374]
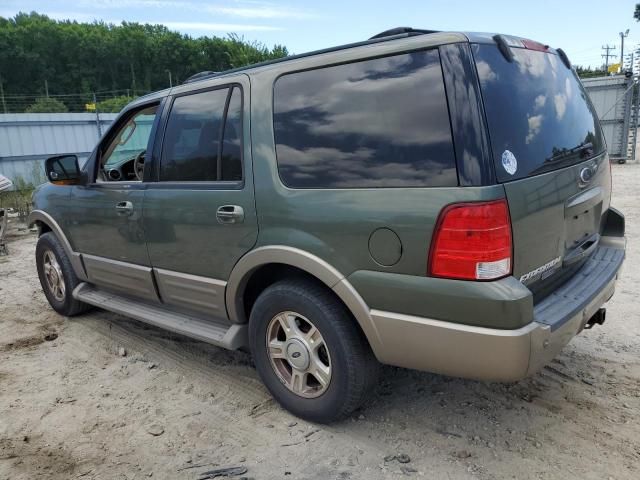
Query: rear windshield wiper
[585, 149]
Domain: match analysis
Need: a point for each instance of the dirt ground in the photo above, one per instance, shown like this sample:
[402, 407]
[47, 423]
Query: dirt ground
[72, 406]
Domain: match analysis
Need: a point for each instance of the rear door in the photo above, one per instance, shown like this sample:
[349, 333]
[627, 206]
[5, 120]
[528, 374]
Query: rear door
[199, 216]
[550, 155]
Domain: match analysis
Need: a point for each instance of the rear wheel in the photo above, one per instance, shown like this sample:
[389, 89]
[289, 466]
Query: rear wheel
[57, 276]
[309, 352]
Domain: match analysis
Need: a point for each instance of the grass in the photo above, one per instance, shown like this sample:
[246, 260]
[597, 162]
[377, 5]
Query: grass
[18, 200]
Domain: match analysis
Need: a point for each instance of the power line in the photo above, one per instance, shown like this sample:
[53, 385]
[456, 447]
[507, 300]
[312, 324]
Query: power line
[103, 92]
[73, 102]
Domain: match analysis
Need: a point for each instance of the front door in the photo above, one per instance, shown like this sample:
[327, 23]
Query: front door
[105, 218]
[199, 217]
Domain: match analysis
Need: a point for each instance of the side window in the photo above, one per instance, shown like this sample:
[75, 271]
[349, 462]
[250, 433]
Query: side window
[192, 147]
[124, 156]
[374, 123]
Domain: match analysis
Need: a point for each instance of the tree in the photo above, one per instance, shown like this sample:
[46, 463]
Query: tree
[636, 14]
[113, 105]
[588, 72]
[47, 105]
[126, 59]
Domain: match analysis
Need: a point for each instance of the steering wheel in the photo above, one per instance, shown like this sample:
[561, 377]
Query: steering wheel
[138, 165]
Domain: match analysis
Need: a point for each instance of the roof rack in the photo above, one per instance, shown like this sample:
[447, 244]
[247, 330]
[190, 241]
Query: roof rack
[391, 34]
[402, 30]
[200, 76]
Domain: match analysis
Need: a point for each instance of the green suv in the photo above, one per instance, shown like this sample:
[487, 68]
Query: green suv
[430, 200]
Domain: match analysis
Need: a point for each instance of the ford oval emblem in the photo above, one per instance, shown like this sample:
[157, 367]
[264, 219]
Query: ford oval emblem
[586, 174]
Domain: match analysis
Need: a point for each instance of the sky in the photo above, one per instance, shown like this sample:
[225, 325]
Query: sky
[580, 27]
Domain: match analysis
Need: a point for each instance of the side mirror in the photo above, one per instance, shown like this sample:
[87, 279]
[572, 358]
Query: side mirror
[62, 169]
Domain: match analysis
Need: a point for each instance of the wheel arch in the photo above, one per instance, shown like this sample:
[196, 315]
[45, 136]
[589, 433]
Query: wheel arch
[298, 261]
[46, 223]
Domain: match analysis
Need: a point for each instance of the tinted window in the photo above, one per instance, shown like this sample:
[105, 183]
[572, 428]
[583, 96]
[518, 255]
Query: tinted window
[374, 123]
[231, 164]
[537, 110]
[192, 137]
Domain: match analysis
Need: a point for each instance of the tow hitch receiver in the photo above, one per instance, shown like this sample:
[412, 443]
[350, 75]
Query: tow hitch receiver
[598, 318]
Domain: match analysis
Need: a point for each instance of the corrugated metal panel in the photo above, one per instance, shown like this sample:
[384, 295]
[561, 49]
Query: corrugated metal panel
[26, 139]
[49, 133]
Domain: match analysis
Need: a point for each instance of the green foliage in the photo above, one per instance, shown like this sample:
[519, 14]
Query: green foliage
[588, 72]
[20, 184]
[636, 13]
[113, 105]
[46, 105]
[94, 57]
[38, 175]
[19, 200]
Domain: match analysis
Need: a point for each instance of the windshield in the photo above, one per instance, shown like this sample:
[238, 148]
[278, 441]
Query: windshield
[539, 116]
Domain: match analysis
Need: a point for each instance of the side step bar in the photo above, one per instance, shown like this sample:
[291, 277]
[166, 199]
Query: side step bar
[220, 334]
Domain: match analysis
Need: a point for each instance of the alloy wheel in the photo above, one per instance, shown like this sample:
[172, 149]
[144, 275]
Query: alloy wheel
[53, 276]
[298, 354]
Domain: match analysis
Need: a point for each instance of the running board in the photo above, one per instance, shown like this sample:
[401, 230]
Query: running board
[223, 335]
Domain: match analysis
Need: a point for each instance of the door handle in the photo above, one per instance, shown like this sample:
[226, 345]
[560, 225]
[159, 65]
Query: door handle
[229, 214]
[124, 208]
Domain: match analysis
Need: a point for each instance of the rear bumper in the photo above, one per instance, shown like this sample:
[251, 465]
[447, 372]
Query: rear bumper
[502, 355]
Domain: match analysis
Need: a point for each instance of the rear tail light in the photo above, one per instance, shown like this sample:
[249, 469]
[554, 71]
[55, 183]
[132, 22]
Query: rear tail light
[472, 241]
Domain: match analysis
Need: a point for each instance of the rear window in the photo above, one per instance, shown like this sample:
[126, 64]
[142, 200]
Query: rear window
[373, 123]
[539, 116]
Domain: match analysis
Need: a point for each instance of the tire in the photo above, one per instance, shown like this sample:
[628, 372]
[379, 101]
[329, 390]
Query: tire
[353, 368]
[48, 250]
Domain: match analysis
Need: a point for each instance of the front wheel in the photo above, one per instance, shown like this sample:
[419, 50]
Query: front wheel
[309, 351]
[57, 276]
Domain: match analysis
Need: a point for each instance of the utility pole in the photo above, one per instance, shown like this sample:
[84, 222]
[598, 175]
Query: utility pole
[95, 102]
[46, 88]
[133, 78]
[623, 35]
[4, 104]
[607, 48]
[170, 82]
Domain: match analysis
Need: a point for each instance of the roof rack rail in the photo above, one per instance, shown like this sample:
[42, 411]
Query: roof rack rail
[200, 76]
[402, 30]
[393, 33]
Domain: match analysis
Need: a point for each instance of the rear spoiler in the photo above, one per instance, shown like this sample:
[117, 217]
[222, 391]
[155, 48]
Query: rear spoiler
[506, 43]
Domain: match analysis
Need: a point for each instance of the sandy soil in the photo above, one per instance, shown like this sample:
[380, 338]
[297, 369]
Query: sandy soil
[72, 406]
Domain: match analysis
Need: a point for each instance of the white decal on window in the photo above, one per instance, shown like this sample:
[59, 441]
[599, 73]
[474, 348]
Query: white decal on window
[509, 162]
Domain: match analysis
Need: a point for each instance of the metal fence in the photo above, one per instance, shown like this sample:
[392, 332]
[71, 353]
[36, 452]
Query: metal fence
[71, 102]
[615, 99]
